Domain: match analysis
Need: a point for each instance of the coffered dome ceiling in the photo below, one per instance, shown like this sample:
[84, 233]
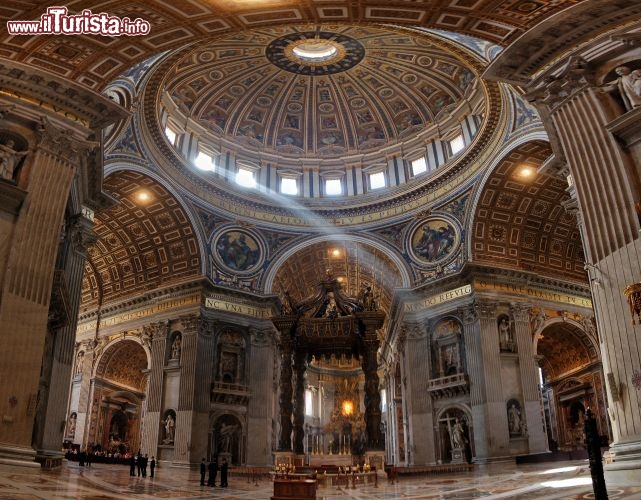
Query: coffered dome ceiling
[330, 91]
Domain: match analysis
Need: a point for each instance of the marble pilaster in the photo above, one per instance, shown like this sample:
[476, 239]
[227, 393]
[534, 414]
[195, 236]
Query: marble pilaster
[532, 404]
[157, 335]
[488, 404]
[419, 401]
[260, 407]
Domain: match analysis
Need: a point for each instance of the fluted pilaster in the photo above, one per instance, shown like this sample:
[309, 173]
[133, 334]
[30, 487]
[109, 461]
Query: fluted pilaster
[54, 386]
[260, 407]
[419, 402]
[533, 407]
[156, 335]
[187, 395]
[606, 183]
[27, 285]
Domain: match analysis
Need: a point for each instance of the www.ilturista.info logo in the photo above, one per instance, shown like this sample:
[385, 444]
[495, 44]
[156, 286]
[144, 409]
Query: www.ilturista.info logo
[57, 21]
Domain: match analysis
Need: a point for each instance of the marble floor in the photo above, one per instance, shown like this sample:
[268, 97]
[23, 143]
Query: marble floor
[558, 480]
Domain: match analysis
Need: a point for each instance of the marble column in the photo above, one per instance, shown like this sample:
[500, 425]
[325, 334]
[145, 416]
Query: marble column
[286, 390]
[300, 358]
[157, 335]
[529, 370]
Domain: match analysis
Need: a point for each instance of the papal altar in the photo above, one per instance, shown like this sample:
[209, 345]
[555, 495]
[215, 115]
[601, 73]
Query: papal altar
[338, 460]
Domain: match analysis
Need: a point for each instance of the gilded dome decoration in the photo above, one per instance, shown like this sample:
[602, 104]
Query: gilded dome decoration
[328, 93]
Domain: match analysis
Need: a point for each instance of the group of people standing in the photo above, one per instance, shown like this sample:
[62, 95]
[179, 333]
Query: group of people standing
[212, 468]
[140, 462]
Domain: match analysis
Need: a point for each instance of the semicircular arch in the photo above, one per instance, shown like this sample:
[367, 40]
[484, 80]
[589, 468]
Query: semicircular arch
[124, 362]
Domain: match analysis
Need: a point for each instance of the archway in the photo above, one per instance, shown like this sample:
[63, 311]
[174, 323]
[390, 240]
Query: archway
[572, 381]
[227, 439]
[454, 435]
[119, 391]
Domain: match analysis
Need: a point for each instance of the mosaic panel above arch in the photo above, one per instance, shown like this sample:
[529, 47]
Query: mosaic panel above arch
[434, 240]
[238, 250]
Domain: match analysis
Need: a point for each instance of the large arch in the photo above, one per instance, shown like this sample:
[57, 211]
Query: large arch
[572, 381]
[118, 392]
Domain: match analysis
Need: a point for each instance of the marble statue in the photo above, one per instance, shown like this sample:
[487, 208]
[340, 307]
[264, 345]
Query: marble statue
[9, 159]
[628, 86]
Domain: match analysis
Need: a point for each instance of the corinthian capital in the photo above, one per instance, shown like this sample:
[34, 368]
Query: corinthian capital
[555, 90]
[62, 144]
[485, 310]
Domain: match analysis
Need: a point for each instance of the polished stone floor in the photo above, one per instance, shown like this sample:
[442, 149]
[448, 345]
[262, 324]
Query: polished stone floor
[558, 480]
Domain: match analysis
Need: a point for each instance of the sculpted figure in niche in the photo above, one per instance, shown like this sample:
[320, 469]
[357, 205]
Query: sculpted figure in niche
[9, 159]
[456, 435]
[628, 86]
[170, 429]
[175, 347]
[514, 420]
[226, 432]
[71, 426]
[504, 331]
[80, 359]
[506, 342]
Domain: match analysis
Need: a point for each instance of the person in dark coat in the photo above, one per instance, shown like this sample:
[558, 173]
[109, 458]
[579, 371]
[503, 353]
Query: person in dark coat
[203, 471]
[213, 470]
[139, 463]
[145, 459]
[132, 465]
[152, 466]
[223, 474]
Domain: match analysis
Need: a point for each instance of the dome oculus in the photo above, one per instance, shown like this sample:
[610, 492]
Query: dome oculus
[315, 53]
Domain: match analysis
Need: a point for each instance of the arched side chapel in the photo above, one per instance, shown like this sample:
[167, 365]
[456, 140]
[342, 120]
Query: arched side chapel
[141, 247]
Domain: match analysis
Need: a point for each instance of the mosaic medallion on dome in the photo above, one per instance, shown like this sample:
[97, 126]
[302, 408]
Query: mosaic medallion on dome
[238, 250]
[331, 92]
[434, 240]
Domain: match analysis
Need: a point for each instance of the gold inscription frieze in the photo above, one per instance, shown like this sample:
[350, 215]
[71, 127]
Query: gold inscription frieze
[439, 298]
[143, 312]
[532, 292]
[310, 220]
[243, 309]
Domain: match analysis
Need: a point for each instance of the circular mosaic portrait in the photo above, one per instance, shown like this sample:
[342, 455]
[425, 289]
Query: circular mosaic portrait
[237, 250]
[434, 240]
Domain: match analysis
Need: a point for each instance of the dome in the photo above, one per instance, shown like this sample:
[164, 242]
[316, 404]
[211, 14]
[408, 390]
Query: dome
[329, 92]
